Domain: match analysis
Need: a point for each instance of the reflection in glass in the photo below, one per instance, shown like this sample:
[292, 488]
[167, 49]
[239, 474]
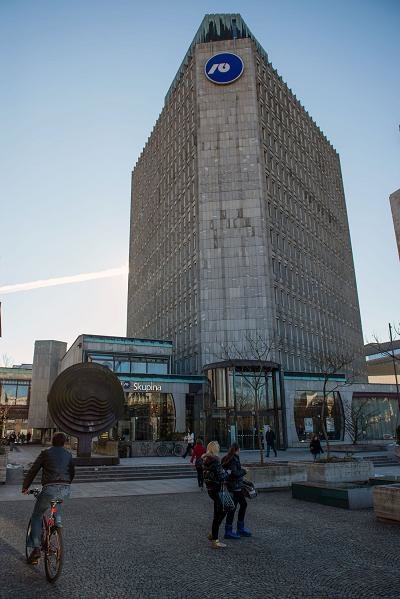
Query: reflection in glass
[307, 415]
[151, 416]
[377, 416]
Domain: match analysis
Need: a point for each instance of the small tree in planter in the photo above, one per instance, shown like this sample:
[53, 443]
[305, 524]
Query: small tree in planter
[329, 366]
[257, 350]
[4, 411]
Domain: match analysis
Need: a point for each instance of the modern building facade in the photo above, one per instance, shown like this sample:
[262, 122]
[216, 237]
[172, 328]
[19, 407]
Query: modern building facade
[158, 404]
[15, 393]
[395, 206]
[239, 228]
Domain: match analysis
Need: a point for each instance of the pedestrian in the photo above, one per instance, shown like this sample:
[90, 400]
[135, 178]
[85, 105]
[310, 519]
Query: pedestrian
[22, 437]
[28, 436]
[197, 457]
[12, 439]
[270, 440]
[189, 438]
[57, 474]
[315, 447]
[231, 463]
[214, 476]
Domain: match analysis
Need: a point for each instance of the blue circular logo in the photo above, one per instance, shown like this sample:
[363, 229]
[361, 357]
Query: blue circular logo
[224, 68]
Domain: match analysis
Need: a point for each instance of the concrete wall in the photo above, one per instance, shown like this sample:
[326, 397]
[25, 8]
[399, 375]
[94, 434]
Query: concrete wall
[46, 364]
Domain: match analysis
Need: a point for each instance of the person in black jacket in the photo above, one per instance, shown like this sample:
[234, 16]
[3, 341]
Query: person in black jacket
[315, 447]
[231, 463]
[57, 474]
[270, 441]
[214, 476]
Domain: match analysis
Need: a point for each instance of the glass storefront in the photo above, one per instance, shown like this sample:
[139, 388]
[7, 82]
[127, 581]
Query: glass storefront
[148, 417]
[307, 415]
[244, 397]
[377, 415]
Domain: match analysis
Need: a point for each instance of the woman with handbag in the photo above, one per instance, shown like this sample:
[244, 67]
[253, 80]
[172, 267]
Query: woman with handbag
[197, 457]
[214, 477]
[231, 463]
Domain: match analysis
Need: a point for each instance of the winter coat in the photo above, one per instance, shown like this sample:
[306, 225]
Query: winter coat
[57, 467]
[197, 453]
[235, 473]
[315, 446]
[214, 474]
[270, 437]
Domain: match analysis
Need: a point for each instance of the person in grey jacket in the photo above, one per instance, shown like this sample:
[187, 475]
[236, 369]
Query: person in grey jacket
[58, 472]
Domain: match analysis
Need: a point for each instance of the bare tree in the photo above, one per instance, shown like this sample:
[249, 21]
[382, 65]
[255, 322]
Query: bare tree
[7, 360]
[358, 419]
[256, 351]
[329, 366]
[4, 411]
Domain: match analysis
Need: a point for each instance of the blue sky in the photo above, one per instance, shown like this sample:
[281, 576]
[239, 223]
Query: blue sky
[82, 84]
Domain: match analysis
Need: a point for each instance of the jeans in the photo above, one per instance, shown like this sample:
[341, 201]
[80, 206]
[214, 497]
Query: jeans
[269, 447]
[219, 514]
[238, 498]
[43, 502]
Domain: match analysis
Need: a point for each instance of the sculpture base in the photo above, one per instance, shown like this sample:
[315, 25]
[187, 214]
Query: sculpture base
[97, 461]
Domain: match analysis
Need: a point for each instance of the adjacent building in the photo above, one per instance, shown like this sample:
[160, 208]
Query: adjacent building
[239, 229]
[15, 392]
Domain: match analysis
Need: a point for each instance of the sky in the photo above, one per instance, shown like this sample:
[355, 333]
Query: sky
[83, 82]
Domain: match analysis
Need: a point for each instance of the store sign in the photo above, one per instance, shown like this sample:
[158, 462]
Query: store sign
[141, 387]
[224, 68]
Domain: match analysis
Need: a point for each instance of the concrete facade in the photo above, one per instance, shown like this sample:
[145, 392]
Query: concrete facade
[46, 366]
[395, 206]
[238, 220]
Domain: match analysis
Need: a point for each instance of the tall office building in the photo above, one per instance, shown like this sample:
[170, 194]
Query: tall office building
[394, 199]
[238, 221]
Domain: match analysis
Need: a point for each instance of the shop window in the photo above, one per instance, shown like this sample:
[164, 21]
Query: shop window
[307, 415]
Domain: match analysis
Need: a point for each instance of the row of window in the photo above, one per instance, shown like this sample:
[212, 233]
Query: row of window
[15, 392]
[126, 364]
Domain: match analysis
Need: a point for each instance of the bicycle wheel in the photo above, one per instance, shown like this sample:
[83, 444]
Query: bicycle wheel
[54, 555]
[28, 550]
[162, 450]
[178, 449]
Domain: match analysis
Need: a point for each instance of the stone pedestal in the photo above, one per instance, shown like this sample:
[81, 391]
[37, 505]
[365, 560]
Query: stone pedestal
[387, 502]
[276, 475]
[336, 472]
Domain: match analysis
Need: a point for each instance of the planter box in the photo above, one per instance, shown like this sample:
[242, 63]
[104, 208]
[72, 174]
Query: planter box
[387, 479]
[275, 475]
[387, 502]
[3, 466]
[345, 495]
[109, 448]
[336, 472]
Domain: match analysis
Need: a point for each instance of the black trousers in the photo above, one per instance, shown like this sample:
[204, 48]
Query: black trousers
[271, 446]
[188, 449]
[238, 498]
[200, 477]
[219, 514]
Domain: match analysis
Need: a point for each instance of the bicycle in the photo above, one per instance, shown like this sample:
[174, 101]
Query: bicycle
[51, 543]
[170, 448]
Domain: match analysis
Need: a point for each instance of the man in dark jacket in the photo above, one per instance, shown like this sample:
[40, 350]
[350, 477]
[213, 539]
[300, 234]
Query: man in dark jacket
[270, 441]
[57, 474]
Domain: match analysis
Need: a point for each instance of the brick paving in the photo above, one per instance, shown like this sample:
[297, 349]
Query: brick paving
[155, 547]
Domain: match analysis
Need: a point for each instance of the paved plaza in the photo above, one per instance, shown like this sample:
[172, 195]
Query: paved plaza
[155, 547]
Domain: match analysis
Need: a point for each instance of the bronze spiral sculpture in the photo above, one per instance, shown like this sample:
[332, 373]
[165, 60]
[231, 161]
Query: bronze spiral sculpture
[85, 400]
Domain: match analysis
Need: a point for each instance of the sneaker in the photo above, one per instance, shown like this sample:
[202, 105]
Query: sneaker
[34, 556]
[217, 544]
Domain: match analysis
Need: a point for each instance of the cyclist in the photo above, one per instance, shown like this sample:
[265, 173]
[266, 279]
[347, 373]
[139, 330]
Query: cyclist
[57, 474]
